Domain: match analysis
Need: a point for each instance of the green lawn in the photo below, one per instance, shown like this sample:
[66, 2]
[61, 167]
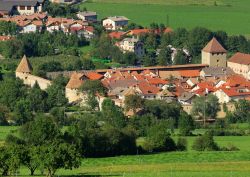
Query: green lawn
[175, 164]
[230, 15]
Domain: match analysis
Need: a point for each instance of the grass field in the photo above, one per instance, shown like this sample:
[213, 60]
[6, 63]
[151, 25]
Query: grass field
[230, 15]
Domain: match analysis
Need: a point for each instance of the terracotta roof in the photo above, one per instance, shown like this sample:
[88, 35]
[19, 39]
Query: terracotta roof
[75, 81]
[24, 66]
[189, 73]
[156, 81]
[6, 38]
[234, 92]
[138, 31]
[240, 58]
[214, 47]
[116, 34]
[94, 76]
[147, 89]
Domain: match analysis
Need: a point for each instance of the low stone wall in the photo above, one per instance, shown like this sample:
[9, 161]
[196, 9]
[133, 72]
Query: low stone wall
[30, 80]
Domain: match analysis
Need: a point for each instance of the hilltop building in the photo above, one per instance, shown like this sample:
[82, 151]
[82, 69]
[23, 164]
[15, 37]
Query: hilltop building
[214, 55]
[115, 23]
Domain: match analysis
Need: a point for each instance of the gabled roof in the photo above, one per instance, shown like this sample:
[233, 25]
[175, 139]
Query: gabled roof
[240, 58]
[24, 66]
[94, 76]
[75, 81]
[189, 73]
[214, 47]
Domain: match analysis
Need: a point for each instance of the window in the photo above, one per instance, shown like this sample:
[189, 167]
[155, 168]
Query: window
[22, 7]
[28, 7]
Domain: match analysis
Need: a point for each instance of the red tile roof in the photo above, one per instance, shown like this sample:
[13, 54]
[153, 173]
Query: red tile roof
[94, 76]
[234, 92]
[6, 38]
[147, 89]
[116, 34]
[75, 81]
[214, 47]
[189, 73]
[240, 58]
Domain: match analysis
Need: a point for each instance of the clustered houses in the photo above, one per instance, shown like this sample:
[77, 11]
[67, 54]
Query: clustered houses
[180, 85]
[11, 7]
[115, 23]
[129, 41]
[38, 21]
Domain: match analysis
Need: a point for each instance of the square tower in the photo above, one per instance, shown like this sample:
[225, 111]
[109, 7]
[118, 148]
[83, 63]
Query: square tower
[214, 54]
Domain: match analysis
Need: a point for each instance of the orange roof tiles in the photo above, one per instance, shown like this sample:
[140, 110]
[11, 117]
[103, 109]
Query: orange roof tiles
[189, 73]
[94, 76]
[214, 47]
[240, 58]
[116, 34]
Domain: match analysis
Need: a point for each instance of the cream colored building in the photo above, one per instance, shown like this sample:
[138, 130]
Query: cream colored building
[23, 72]
[213, 54]
[115, 23]
[240, 64]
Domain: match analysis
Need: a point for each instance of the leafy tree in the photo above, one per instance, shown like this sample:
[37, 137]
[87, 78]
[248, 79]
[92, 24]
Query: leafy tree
[113, 114]
[59, 116]
[181, 144]
[186, 124]
[164, 57]
[180, 59]
[23, 112]
[91, 101]
[58, 155]
[133, 102]
[242, 111]
[206, 106]
[31, 158]
[159, 139]
[93, 87]
[38, 99]
[4, 114]
[180, 38]
[41, 130]
[8, 28]
[205, 143]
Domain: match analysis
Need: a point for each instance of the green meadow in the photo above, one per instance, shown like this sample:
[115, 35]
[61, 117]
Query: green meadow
[229, 15]
[173, 164]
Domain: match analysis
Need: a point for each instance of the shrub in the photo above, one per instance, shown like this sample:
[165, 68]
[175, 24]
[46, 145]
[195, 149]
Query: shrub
[205, 143]
[181, 144]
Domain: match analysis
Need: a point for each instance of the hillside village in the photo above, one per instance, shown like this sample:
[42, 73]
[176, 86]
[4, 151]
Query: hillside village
[85, 96]
[227, 80]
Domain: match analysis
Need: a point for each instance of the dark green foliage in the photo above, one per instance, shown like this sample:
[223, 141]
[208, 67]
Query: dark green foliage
[133, 102]
[8, 28]
[50, 66]
[205, 143]
[159, 140]
[41, 131]
[181, 144]
[4, 114]
[113, 114]
[185, 124]
[93, 87]
[23, 111]
[164, 57]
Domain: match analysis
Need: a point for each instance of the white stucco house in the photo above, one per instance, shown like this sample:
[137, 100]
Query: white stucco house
[115, 22]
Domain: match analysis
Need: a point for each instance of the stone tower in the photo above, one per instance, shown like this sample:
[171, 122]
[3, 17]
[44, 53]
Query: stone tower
[214, 54]
[24, 69]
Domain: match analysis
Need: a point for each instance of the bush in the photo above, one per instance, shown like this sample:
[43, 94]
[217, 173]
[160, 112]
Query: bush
[181, 144]
[205, 143]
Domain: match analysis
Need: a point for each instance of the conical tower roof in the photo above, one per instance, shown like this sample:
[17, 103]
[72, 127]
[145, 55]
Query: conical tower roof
[214, 47]
[24, 66]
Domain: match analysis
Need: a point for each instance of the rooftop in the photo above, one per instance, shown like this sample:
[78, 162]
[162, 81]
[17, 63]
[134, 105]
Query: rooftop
[214, 47]
[240, 58]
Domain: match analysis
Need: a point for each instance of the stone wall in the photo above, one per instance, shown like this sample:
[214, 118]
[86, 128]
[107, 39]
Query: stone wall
[30, 80]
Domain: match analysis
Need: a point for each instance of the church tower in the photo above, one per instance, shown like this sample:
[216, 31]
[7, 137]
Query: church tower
[214, 54]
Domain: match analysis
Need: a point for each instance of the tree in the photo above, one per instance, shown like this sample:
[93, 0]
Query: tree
[113, 114]
[186, 124]
[133, 102]
[93, 87]
[42, 130]
[181, 144]
[164, 57]
[159, 138]
[58, 155]
[31, 158]
[206, 106]
[91, 101]
[23, 112]
[242, 111]
[205, 143]
[179, 58]
[4, 114]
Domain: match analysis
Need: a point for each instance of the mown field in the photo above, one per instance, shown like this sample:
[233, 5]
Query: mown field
[229, 15]
[174, 164]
